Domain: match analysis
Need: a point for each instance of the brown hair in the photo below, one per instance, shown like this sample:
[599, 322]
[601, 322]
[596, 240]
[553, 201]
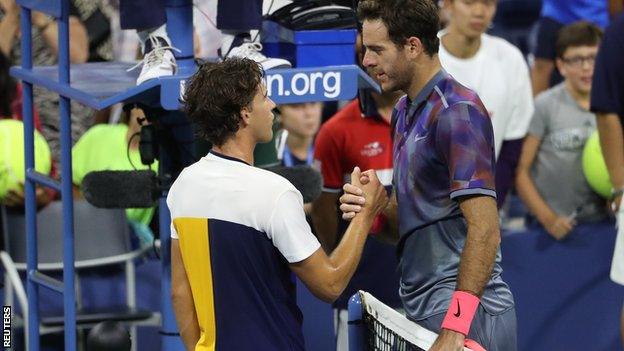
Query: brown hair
[217, 92]
[404, 19]
[581, 33]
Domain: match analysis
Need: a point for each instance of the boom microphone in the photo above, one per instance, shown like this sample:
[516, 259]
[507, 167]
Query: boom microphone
[305, 178]
[121, 189]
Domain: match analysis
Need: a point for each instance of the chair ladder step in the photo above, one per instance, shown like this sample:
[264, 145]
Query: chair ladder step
[46, 281]
[43, 179]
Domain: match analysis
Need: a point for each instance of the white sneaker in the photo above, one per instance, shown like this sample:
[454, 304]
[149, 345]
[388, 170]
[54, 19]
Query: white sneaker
[158, 62]
[252, 51]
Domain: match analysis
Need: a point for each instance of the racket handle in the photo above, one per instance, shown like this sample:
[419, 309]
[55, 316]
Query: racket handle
[473, 345]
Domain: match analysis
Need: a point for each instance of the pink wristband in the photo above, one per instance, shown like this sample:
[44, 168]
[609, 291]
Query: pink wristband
[461, 310]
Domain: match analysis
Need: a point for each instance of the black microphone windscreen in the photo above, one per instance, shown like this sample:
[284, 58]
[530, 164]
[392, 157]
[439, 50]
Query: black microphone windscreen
[306, 179]
[121, 189]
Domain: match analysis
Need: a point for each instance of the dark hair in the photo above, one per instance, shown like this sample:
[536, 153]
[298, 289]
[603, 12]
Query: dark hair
[217, 92]
[7, 87]
[108, 336]
[581, 33]
[404, 19]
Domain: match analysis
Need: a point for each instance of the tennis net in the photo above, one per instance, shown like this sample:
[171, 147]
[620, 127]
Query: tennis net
[384, 329]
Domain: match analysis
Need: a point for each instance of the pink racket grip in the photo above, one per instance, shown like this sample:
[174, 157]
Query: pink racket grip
[473, 345]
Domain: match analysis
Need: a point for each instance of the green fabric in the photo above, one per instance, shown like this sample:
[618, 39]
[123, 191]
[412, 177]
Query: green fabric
[265, 154]
[104, 147]
[12, 155]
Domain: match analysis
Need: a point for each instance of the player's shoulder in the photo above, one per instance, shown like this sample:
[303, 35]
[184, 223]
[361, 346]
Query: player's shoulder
[265, 180]
[453, 92]
[207, 175]
[456, 96]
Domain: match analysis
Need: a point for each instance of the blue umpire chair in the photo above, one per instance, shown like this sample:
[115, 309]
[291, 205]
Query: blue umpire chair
[102, 240]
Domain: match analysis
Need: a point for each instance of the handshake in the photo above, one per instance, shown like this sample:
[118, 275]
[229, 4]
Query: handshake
[364, 195]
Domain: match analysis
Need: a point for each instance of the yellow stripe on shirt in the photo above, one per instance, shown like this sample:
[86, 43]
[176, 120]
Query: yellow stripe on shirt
[195, 249]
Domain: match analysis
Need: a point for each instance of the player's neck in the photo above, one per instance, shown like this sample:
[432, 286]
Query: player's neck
[385, 103]
[459, 45]
[581, 98]
[424, 71]
[299, 145]
[237, 147]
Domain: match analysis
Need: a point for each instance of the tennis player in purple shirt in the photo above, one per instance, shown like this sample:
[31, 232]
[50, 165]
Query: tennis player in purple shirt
[444, 216]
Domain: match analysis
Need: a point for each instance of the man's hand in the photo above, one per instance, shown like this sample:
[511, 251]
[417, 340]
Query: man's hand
[354, 197]
[448, 340]
[559, 226]
[375, 195]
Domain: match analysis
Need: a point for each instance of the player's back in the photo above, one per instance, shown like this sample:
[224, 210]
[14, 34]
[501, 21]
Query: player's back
[221, 210]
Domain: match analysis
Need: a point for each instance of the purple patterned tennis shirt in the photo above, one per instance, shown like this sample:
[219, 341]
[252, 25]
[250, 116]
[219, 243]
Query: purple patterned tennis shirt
[443, 149]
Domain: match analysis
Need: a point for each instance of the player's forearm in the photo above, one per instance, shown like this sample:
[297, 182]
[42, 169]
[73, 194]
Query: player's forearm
[325, 220]
[182, 299]
[482, 241]
[185, 316]
[531, 197]
[390, 232]
[612, 145]
[9, 26]
[346, 257]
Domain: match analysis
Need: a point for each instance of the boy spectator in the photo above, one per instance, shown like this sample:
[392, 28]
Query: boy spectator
[550, 179]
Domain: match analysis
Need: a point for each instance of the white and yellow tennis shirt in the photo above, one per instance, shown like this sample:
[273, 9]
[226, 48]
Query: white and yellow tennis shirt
[238, 227]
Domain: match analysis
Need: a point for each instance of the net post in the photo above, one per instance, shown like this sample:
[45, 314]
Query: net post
[356, 324]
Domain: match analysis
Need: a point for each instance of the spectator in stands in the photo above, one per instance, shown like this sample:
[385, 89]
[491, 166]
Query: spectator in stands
[302, 122]
[44, 52]
[496, 70]
[11, 108]
[550, 178]
[607, 101]
[358, 135]
[114, 147]
[556, 14]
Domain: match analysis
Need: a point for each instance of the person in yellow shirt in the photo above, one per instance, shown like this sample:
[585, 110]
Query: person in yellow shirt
[114, 147]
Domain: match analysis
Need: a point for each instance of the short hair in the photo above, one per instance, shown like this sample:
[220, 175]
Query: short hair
[404, 19]
[217, 92]
[580, 33]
